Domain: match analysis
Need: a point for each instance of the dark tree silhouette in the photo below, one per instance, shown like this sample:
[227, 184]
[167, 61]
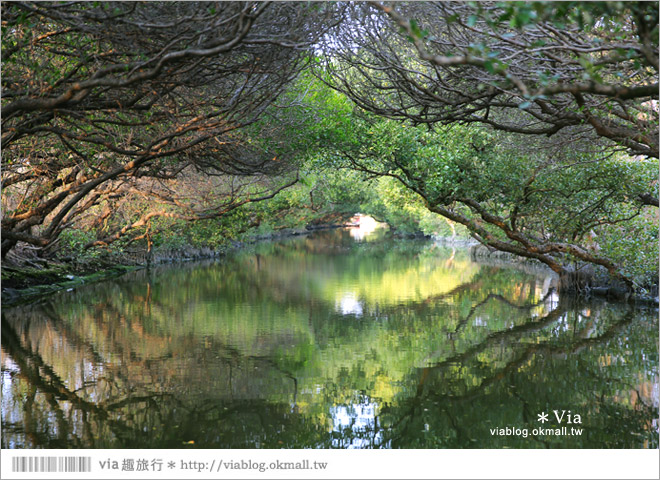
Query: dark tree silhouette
[534, 68]
[108, 101]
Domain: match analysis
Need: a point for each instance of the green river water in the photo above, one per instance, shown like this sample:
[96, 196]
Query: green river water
[329, 341]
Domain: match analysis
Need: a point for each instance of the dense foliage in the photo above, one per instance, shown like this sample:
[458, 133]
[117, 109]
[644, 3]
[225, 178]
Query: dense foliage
[537, 68]
[109, 104]
[531, 127]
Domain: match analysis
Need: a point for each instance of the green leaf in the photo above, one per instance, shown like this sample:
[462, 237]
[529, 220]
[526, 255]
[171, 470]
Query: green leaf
[489, 65]
[414, 27]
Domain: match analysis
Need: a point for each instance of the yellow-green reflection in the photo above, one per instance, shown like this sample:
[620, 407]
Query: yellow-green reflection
[323, 341]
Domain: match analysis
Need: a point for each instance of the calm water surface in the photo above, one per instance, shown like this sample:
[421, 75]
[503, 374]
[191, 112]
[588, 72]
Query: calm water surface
[328, 341]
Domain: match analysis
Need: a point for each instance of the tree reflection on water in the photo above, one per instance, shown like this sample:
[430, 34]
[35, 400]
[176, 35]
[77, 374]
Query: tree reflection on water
[269, 349]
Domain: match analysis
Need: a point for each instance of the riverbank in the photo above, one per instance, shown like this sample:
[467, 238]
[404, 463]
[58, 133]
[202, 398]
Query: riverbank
[584, 281]
[26, 277]
[54, 278]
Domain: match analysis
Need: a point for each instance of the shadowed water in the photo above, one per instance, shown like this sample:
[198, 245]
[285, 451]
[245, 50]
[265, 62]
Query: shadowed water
[328, 341]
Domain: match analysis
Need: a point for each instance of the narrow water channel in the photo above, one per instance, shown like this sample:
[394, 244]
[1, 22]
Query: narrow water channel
[329, 341]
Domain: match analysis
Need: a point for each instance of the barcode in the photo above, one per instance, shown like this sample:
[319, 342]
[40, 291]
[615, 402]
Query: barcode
[51, 464]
